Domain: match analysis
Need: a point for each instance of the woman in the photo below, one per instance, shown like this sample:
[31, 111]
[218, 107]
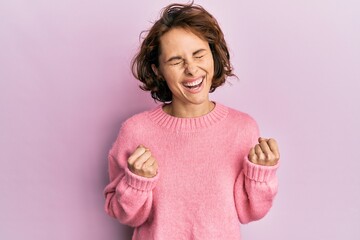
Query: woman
[190, 168]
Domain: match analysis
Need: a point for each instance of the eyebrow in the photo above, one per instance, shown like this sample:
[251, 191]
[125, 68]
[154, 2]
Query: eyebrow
[179, 58]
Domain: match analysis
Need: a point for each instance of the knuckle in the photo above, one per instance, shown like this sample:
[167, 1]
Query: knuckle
[151, 171]
[147, 154]
[270, 156]
[155, 171]
[146, 167]
[252, 158]
[272, 140]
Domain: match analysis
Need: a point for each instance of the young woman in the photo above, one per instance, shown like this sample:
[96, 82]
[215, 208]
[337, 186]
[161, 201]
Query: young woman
[191, 168]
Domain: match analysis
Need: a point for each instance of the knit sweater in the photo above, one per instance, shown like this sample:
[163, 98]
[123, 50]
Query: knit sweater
[205, 184]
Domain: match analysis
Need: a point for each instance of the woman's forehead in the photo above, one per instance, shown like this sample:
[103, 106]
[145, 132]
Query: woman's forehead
[179, 39]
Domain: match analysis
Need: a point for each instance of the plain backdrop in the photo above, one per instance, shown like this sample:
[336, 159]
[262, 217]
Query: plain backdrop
[66, 87]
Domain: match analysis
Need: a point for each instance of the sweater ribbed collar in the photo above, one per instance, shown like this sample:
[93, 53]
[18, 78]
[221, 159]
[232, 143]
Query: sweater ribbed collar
[165, 120]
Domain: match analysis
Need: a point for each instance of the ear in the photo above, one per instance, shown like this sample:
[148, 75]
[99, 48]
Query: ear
[155, 70]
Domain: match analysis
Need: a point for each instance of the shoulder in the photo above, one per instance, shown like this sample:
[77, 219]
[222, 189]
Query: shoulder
[133, 130]
[240, 117]
[137, 122]
[244, 125]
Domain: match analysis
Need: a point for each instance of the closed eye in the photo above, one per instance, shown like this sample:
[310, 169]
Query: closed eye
[176, 63]
[199, 53]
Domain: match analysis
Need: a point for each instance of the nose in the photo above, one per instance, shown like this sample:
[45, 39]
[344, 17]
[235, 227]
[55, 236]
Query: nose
[190, 68]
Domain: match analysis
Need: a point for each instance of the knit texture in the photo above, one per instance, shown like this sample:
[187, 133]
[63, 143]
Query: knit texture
[205, 184]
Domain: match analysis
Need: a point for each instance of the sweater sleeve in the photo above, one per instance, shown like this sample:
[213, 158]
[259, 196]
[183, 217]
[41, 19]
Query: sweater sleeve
[256, 186]
[128, 197]
[255, 190]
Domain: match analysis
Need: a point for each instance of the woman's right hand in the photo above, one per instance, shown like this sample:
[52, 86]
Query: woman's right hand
[142, 163]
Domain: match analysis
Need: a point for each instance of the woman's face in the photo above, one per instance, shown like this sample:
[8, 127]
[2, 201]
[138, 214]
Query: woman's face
[187, 65]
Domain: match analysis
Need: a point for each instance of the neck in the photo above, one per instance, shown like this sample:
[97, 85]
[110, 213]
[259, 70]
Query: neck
[190, 110]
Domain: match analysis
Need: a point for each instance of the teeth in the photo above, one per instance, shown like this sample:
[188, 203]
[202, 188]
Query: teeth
[191, 84]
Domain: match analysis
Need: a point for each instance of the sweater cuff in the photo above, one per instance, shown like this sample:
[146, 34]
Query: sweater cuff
[139, 182]
[259, 173]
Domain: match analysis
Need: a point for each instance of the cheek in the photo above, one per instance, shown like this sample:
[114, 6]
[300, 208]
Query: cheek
[169, 73]
[208, 66]
[171, 76]
[166, 73]
[208, 62]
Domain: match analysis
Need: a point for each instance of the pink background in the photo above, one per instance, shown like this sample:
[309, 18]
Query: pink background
[65, 88]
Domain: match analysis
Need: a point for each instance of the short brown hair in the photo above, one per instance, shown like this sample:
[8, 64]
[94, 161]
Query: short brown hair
[191, 17]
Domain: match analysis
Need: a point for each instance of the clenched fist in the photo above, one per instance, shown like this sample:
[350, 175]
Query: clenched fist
[142, 163]
[265, 153]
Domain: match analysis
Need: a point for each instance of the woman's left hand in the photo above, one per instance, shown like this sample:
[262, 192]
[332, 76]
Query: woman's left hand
[265, 153]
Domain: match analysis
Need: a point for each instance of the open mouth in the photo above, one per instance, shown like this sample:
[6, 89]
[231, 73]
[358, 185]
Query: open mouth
[194, 84]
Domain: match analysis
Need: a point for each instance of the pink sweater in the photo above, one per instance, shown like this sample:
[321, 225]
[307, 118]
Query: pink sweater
[205, 185]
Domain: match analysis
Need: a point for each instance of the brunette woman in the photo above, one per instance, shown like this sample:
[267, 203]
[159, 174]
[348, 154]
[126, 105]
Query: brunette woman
[191, 168]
